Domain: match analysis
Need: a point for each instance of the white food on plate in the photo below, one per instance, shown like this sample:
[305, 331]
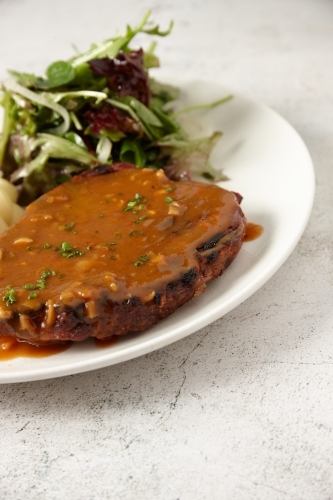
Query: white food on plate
[6, 207]
[8, 188]
[10, 212]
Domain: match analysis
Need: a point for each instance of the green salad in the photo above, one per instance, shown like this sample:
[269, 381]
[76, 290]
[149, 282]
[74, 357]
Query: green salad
[99, 107]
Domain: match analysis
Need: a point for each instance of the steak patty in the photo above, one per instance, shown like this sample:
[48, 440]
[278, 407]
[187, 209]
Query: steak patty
[112, 251]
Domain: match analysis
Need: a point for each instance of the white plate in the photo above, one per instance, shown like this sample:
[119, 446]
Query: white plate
[267, 163]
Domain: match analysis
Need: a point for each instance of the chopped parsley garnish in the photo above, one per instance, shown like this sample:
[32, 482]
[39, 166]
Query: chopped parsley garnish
[143, 217]
[41, 283]
[32, 295]
[9, 296]
[45, 274]
[168, 199]
[65, 250]
[138, 198]
[141, 260]
[47, 245]
[109, 246]
[69, 227]
[30, 287]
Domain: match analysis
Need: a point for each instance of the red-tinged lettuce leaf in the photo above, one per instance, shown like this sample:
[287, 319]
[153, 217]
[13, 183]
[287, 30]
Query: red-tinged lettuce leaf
[125, 74]
[108, 119]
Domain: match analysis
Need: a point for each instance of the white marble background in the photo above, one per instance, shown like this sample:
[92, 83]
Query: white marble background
[242, 409]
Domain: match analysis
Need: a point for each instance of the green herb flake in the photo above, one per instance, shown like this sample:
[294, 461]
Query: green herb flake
[169, 189]
[45, 274]
[143, 217]
[138, 198]
[9, 296]
[47, 245]
[168, 199]
[30, 287]
[69, 227]
[32, 295]
[68, 252]
[141, 260]
[41, 282]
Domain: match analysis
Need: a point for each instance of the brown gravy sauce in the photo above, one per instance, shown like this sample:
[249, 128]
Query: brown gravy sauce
[11, 348]
[106, 238]
[253, 231]
[122, 244]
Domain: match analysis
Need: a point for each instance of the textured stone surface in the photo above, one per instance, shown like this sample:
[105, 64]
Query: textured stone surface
[242, 409]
